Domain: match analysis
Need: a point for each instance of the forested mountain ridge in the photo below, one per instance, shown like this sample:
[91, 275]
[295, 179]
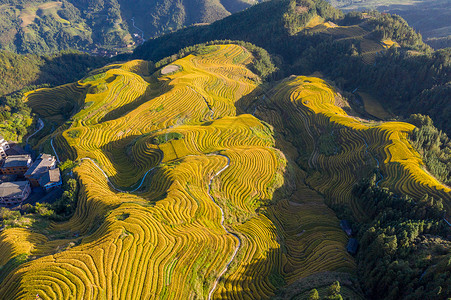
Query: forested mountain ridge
[429, 17]
[40, 26]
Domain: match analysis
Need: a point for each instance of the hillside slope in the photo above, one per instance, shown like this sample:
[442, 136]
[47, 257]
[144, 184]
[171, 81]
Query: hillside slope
[430, 18]
[182, 147]
[185, 192]
[40, 26]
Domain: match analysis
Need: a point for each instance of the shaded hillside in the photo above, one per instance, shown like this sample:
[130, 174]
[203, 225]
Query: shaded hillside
[18, 71]
[158, 17]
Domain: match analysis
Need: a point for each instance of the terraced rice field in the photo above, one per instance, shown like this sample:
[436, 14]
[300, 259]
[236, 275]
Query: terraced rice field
[308, 108]
[202, 162]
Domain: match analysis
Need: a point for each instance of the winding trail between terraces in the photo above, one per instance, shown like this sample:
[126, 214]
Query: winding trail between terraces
[235, 252]
[213, 288]
[104, 174]
[206, 102]
[40, 126]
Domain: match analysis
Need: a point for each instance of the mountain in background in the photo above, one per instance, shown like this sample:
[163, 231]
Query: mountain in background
[104, 27]
[430, 17]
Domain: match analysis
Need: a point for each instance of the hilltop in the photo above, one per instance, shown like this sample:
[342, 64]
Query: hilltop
[430, 18]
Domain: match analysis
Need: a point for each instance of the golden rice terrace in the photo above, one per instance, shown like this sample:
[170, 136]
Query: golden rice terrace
[197, 183]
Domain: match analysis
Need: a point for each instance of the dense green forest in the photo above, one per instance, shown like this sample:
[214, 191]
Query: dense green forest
[434, 146]
[410, 79]
[429, 17]
[402, 254]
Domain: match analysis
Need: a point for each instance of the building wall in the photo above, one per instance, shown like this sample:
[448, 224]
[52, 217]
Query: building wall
[16, 200]
[34, 182]
[14, 170]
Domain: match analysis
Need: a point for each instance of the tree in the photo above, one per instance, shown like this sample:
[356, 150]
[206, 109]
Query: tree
[313, 295]
[334, 291]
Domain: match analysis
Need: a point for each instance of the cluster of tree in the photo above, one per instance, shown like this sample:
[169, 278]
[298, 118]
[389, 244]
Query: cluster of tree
[386, 26]
[333, 293]
[433, 145]
[263, 65]
[403, 252]
[15, 115]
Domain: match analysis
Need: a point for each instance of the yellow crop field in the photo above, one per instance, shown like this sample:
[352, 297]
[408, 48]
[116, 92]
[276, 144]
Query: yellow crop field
[180, 196]
[310, 107]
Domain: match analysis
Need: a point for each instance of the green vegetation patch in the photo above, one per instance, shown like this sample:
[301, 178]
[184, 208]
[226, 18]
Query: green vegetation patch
[94, 77]
[328, 144]
[75, 133]
[167, 137]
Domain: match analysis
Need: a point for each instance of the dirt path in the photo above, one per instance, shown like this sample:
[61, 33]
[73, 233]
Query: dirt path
[213, 288]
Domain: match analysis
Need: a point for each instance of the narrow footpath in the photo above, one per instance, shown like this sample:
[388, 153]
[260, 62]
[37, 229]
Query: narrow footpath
[213, 288]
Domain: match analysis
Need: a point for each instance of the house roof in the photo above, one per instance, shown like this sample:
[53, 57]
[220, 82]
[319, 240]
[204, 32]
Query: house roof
[41, 165]
[12, 189]
[16, 161]
[51, 176]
